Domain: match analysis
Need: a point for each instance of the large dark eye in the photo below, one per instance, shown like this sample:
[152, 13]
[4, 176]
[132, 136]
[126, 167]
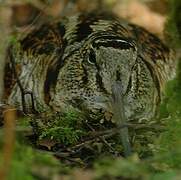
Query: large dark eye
[92, 57]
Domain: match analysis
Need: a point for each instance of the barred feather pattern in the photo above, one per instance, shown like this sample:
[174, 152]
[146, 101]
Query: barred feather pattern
[75, 61]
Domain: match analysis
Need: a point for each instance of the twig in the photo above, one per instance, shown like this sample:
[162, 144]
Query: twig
[67, 153]
[111, 132]
[9, 137]
[102, 139]
[63, 155]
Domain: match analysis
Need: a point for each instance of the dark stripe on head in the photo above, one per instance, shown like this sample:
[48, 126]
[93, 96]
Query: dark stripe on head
[86, 20]
[99, 81]
[84, 29]
[115, 43]
[85, 77]
[128, 89]
[118, 76]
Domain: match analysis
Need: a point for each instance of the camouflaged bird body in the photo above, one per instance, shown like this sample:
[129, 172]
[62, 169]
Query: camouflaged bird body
[75, 62]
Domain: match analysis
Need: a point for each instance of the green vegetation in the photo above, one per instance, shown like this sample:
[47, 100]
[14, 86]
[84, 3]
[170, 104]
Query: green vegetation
[30, 164]
[64, 128]
[173, 30]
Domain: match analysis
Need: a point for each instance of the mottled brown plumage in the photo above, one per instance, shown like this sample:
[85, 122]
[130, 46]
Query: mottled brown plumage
[75, 62]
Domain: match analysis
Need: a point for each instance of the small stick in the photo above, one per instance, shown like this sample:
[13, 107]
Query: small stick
[9, 140]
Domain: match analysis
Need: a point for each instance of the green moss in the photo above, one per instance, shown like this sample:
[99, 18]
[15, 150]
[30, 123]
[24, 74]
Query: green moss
[64, 128]
[173, 24]
[169, 143]
[29, 164]
[23, 121]
[115, 168]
